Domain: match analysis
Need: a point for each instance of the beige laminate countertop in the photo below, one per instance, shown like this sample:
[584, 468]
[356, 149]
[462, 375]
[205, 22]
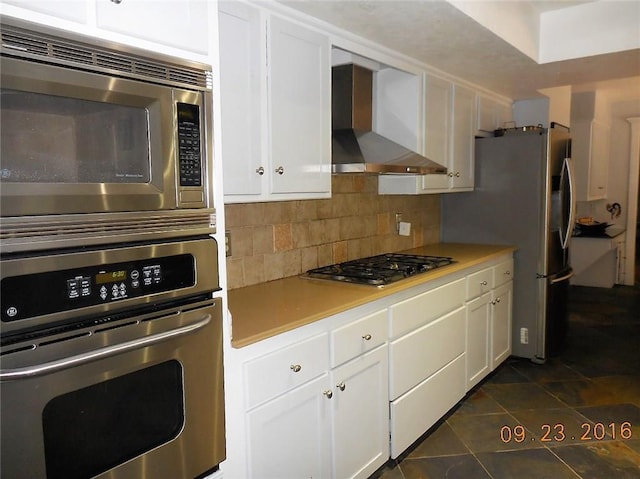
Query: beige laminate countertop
[267, 309]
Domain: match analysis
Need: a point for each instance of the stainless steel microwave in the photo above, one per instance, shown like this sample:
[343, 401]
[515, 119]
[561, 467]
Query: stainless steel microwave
[99, 142]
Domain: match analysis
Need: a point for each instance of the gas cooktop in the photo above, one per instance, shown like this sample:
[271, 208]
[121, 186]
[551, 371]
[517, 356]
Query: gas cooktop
[379, 270]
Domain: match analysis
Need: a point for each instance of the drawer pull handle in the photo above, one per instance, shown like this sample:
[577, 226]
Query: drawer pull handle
[483, 283]
[328, 393]
[296, 368]
[341, 386]
[367, 337]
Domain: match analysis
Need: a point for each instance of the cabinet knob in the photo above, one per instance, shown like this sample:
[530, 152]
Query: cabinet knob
[296, 368]
[260, 170]
[497, 300]
[117, 2]
[341, 386]
[507, 273]
[457, 174]
[328, 393]
[450, 174]
[280, 170]
[367, 337]
[483, 283]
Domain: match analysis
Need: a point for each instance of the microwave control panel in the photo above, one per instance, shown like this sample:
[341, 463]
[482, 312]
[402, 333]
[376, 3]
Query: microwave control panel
[32, 295]
[189, 148]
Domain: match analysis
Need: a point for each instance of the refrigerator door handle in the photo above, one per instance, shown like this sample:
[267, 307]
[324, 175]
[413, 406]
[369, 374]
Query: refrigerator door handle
[567, 172]
[561, 278]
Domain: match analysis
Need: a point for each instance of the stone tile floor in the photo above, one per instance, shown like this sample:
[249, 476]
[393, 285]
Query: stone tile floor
[576, 416]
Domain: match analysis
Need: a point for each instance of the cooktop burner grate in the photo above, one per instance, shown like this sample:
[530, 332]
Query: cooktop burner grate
[381, 269]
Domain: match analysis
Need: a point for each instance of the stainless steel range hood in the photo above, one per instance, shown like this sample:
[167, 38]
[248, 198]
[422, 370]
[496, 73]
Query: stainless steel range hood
[357, 149]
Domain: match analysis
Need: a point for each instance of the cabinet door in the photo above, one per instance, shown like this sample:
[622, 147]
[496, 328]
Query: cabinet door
[299, 109]
[74, 10]
[437, 128]
[462, 139]
[478, 340]
[177, 23]
[361, 415]
[501, 315]
[599, 160]
[289, 437]
[242, 70]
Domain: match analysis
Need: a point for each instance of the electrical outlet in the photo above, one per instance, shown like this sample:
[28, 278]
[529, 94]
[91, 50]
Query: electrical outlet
[227, 243]
[404, 228]
[524, 335]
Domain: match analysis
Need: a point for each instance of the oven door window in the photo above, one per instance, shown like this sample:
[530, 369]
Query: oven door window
[91, 430]
[56, 139]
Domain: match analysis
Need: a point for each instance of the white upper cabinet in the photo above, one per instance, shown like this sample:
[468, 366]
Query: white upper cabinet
[461, 162]
[299, 109]
[181, 25]
[590, 152]
[449, 132]
[242, 56]
[177, 23]
[276, 110]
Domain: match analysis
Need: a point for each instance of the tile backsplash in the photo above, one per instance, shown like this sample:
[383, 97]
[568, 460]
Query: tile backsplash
[285, 238]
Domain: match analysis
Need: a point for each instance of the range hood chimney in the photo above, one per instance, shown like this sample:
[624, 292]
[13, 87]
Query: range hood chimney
[357, 149]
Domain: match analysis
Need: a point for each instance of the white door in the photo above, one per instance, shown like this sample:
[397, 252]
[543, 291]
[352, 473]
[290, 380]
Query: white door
[242, 70]
[502, 299]
[289, 437]
[478, 340]
[361, 415]
[299, 108]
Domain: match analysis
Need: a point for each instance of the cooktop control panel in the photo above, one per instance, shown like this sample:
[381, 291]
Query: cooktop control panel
[31, 295]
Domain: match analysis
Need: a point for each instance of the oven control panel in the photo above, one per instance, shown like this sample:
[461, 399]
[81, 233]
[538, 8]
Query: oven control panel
[31, 295]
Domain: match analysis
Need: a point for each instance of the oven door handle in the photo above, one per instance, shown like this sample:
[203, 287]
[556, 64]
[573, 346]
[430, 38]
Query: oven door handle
[53, 366]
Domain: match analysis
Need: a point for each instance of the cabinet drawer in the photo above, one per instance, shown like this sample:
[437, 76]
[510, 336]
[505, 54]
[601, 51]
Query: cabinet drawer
[419, 354]
[275, 373]
[358, 337]
[479, 283]
[419, 409]
[411, 313]
[502, 273]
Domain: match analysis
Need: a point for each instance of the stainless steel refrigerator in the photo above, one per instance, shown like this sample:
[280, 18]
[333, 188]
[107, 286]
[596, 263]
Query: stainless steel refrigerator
[523, 196]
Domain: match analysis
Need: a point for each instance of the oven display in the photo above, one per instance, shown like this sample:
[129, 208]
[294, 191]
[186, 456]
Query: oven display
[37, 294]
[111, 276]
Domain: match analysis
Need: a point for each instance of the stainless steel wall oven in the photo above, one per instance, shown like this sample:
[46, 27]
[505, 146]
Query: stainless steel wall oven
[111, 362]
[110, 326]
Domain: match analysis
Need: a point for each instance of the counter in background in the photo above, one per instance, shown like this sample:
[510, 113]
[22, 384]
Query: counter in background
[598, 260]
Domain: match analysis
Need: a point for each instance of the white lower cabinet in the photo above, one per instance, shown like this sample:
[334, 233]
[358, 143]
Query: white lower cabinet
[342, 395]
[417, 410]
[360, 415]
[289, 436]
[489, 316]
[501, 316]
[426, 364]
[478, 339]
[321, 421]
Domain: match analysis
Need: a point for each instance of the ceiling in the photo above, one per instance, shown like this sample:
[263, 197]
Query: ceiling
[440, 35]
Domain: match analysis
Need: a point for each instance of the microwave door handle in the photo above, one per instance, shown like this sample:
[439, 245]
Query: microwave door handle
[60, 364]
